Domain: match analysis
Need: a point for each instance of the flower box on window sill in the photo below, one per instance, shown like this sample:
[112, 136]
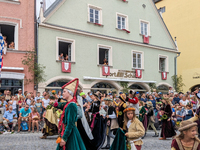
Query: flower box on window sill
[98, 24]
[126, 30]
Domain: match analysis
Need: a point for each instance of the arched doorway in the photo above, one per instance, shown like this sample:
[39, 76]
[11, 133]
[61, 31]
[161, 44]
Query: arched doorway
[137, 87]
[193, 88]
[163, 88]
[103, 87]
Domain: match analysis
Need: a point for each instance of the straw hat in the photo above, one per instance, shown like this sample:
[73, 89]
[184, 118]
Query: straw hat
[184, 125]
[149, 103]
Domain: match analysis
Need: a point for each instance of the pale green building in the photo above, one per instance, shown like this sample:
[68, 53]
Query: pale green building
[130, 34]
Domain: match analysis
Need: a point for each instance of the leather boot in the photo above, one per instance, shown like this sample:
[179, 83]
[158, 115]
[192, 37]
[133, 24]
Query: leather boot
[43, 137]
[106, 147]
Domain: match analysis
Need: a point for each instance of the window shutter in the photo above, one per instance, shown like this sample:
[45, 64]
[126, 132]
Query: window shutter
[69, 52]
[134, 60]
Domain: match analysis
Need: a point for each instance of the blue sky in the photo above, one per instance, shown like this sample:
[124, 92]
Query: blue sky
[48, 3]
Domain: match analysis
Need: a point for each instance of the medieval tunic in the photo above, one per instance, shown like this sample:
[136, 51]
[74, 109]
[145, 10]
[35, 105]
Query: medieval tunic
[136, 131]
[177, 145]
[51, 123]
[121, 108]
[167, 128]
[71, 134]
[142, 113]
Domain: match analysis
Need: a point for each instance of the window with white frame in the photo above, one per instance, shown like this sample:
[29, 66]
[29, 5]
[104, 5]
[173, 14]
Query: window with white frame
[8, 32]
[122, 21]
[65, 49]
[144, 28]
[104, 55]
[163, 63]
[137, 59]
[95, 14]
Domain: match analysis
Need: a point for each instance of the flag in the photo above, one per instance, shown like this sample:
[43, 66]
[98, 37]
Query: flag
[1, 57]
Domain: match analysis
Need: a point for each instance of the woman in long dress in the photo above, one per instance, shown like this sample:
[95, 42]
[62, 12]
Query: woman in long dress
[69, 138]
[167, 128]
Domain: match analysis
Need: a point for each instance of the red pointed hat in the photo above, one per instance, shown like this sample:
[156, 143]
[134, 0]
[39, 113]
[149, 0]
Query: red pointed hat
[72, 85]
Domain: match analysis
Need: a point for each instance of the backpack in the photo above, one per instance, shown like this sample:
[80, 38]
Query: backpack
[24, 126]
[1, 127]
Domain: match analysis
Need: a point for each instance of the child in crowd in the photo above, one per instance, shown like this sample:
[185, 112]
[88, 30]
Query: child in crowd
[35, 118]
[188, 112]
[38, 106]
[32, 105]
[134, 127]
[179, 114]
[3, 102]
[187, 139]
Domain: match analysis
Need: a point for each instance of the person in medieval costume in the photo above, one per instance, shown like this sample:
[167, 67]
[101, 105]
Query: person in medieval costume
[187, 139]
[51, 120]
[98, 126]
[196, 118]
[151, 118]
[121, 106]
[135, 129]
[133, 100]
[111, 121]
[167, 128]
[69, 137]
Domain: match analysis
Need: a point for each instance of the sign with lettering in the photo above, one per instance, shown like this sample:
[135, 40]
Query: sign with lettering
[196, 75]
[115, 73]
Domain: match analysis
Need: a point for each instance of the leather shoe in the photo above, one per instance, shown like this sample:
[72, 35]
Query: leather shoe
[106, 147]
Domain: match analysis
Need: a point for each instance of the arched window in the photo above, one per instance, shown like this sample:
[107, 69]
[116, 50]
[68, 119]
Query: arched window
[193, 88]
[137, 87]
[57, 85]
[163, 88]
[103, 87]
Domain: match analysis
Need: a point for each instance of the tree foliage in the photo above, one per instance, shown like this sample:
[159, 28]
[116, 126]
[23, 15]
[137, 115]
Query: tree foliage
[125, 87]
[36, 70]
[178, 83]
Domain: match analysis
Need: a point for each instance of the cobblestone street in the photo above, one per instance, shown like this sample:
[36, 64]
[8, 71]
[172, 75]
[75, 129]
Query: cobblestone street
[31, 141]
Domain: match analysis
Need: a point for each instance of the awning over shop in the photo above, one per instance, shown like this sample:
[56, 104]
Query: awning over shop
[116, 79]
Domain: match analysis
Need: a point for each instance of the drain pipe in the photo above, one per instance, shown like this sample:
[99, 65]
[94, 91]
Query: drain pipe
[175, 64]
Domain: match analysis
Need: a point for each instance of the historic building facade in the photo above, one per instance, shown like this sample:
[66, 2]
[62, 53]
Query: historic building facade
[182, 20]
[17, 27]
[103, 46]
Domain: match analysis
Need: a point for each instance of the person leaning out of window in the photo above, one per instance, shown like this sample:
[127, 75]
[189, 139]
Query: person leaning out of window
[61, 57]
[105, 62]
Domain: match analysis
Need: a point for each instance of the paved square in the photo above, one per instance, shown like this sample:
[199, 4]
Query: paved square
[31, 141]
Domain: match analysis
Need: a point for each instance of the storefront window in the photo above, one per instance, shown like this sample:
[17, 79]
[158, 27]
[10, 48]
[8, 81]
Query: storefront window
[11, 84]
